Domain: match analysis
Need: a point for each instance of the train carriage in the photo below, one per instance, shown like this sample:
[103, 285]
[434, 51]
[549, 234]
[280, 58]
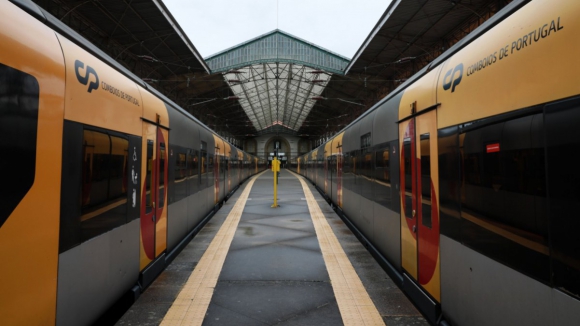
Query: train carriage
[462, 181]
[110, 178]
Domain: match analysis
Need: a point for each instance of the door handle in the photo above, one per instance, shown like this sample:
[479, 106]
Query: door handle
[414, 212]
[414, 228]
[154, 207]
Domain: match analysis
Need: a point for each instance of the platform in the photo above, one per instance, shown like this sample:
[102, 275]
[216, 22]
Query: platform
[297, 264]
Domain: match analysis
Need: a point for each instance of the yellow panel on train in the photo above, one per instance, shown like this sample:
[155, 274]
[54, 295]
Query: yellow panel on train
[420, 95]
[154, 109]
[29, 236]
[98, 95]
[514, 65]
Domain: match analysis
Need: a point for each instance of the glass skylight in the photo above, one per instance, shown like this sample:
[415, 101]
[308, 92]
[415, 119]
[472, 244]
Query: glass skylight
[277, 93]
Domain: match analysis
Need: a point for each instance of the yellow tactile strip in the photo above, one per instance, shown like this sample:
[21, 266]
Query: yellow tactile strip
[191, 304]
[354, 303]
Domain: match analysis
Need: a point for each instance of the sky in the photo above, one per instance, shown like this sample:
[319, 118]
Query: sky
[336, 25]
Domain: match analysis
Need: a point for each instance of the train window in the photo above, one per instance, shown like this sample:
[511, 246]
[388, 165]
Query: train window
[368, 164]
[180, 176]
[563, 141]
[366, 181]
[382, 164]
[425, 162]
[193, 170]
[365, 140]
[203, 169]
[104, 183]
[382, 186]
[19, 93]
[504, 190]
[449, 182]
[118, 167]
[181, 168]
[203, 165]
[96, 148]
[192, 163]
[149, 178]
[209, 170]
[161, 175]
[472, 157]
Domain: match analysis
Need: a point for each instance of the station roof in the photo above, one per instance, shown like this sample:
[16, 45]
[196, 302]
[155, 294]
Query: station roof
[409, 29]
[275, 76]
[145, 38]
[408, 36]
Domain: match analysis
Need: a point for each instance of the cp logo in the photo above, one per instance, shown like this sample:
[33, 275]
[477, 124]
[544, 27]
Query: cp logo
[85, 79]
[451, 80]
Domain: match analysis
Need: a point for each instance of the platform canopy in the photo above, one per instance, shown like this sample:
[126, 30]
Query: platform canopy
[284, 84]
[277, 78]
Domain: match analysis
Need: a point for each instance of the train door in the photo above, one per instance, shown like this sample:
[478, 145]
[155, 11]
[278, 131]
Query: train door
[216, 175]
[419, 201]
[154, 195]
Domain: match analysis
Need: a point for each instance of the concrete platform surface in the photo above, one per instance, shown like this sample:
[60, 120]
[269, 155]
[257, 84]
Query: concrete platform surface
[274, 272]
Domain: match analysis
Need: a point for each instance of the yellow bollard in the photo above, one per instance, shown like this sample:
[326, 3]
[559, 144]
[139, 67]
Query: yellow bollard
[276, 170]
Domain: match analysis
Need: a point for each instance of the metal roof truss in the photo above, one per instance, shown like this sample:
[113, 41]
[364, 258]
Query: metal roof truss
[277, 93]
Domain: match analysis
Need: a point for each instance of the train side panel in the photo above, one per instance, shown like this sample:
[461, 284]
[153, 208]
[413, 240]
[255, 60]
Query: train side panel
[483, 132]
[225, 169]
[508, 238]
[90, 151]
[529, 58]
[197, 206]
[364, 177]
[208, 151]
[312, 170]
[31, 112]
[327, 172]
[350, 204]
[386, 205]
[240, 166]
[184, 177]
[474, 290]
[99, 225]
[336, 169]
[320, 167]
[218, 164]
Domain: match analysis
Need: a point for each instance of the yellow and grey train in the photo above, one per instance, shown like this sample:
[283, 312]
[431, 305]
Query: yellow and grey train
[463, 181]
[106, 179]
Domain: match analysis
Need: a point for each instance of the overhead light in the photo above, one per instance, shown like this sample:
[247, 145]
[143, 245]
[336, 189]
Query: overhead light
[316, 98]
[148, 58]
[232, 98]
[405, 59]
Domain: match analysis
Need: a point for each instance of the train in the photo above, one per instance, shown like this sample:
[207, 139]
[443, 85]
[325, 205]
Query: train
[106, 178]
[462, 182]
